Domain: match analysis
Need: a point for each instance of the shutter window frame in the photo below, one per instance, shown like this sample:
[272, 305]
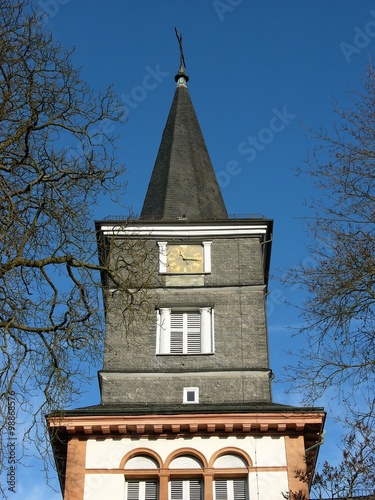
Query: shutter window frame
[185, 332]
[231, 489]
[186, 489]
[141, 489]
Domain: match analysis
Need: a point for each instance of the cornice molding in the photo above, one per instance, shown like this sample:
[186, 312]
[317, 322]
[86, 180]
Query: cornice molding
[309, 424]
[186, 231]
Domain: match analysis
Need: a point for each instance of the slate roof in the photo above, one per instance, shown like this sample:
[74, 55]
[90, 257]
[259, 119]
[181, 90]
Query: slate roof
[183, 183]
[175, 409]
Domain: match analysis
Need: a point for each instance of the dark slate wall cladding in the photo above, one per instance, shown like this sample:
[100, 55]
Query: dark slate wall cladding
[213, 388]
[236, 261]
[240, 334]
[235, 290]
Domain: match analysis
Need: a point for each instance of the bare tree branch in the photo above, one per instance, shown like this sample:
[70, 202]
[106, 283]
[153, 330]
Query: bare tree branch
[57, 157]
[339, 313]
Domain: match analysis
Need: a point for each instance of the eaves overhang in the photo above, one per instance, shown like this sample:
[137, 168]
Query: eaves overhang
[169, 425]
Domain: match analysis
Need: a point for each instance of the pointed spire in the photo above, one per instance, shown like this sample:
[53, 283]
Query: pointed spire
[183, 183]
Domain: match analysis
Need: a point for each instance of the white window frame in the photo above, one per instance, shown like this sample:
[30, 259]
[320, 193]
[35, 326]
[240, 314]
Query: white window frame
[187, 392]
[186, 490]
[142, 488]
[230, 492]
[165, 335]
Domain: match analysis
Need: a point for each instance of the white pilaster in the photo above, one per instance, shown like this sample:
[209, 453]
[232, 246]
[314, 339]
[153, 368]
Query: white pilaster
[207, 256]
[162, 256]
[205, 313]
[165, 330]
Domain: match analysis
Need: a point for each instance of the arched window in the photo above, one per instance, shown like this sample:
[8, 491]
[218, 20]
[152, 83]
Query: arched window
[189, 488]
[231, 487]
[145, 488]
[226, 475]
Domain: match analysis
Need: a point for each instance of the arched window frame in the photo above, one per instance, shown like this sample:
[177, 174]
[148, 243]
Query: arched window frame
[186, 476]
[141, 476]
[164, 474]
[230, 475]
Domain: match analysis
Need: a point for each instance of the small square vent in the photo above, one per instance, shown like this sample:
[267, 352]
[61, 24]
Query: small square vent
[191, 395]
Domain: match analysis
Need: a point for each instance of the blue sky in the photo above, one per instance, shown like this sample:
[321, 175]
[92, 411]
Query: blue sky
[262, 73]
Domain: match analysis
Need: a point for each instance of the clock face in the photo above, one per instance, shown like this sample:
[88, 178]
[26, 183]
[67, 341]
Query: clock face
[184, 259]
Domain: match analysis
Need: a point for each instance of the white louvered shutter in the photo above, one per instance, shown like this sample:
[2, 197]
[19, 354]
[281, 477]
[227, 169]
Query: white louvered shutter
[221, 489]
[230, 489]
[132, 489]
[177, 333]
[193, 326]
[239, 489]
[177, 490]
[151, 490]
[186, 490]
[185, 333]
[195, 490]
[141, 490]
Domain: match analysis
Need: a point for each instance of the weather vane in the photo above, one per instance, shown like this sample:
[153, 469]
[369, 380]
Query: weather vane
[182, 58]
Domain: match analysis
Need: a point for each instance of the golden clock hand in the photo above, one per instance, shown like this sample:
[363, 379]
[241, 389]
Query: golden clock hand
[183, 256]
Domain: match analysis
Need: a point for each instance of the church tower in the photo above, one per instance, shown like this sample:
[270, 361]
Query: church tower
[186, 411]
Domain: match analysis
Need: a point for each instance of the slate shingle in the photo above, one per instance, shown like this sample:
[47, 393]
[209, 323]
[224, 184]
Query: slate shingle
[183, 182]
